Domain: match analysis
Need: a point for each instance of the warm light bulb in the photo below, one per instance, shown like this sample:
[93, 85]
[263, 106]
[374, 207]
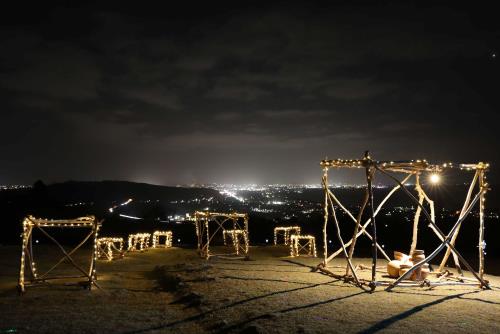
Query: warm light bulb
[435, 178]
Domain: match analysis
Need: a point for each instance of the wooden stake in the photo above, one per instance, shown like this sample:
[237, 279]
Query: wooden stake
[356, 227]
[455, 235]
[369, 178]
[339, 237]
[482, 245]
[325, 217]
[416, 218]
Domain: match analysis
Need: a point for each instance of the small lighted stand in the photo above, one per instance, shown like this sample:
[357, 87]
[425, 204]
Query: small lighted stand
[138, 242]
[109, 248]
[285, 232]
[27, 256]
[298, 243]
[239, 238]
[156, 239]
[209, 225]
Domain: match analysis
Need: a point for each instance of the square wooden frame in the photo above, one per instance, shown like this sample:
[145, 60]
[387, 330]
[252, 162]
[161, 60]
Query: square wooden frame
[208, 224]
[413, 167]
[31, 223]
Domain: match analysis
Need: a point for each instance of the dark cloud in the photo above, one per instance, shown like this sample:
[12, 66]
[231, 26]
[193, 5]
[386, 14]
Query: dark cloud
[230, 94]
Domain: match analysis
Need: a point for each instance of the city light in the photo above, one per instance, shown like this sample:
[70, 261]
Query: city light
[130, 217]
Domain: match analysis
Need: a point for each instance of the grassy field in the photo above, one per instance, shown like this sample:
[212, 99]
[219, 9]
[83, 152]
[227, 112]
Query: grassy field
[173, 290]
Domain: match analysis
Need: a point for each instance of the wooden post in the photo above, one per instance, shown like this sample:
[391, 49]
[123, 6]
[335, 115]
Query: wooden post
[325, 210]
[207, 256]
[26, 234]
[92, 271]
[356, 227]
[339, 236]
[455, 235]
[369, 186]
[482, 244]
[416, 218]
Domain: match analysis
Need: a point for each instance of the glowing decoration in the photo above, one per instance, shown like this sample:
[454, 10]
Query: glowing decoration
[435, 178]
[285, 231]
[419, 268]
[138, 242]
[209, 224]
[167, 241]
[109, 248]
[299, 243]
[239, 238]
[31, 223]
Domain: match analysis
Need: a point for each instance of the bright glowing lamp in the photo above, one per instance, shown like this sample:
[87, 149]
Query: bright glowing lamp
[435, 178]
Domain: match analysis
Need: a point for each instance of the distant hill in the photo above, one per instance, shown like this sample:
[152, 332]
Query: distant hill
[73, 199]
[109, 191]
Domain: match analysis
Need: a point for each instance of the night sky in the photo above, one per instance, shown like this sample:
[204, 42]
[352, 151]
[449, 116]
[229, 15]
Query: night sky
[250, 94]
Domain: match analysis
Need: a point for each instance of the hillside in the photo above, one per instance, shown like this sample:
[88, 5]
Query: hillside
[72, 199]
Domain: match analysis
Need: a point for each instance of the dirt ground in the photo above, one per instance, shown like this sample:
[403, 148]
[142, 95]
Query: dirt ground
[173, 290]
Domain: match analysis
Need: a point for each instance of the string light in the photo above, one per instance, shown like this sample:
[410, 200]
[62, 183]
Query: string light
[168, 239]
[107, 248]
[411, 165]
[287, 231]
[236, 236]
[140, 240]
[297, 245]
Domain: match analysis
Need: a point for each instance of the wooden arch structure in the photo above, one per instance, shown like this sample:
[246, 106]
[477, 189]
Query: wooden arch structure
[409, 169]
[233, 225]
[28, 264]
